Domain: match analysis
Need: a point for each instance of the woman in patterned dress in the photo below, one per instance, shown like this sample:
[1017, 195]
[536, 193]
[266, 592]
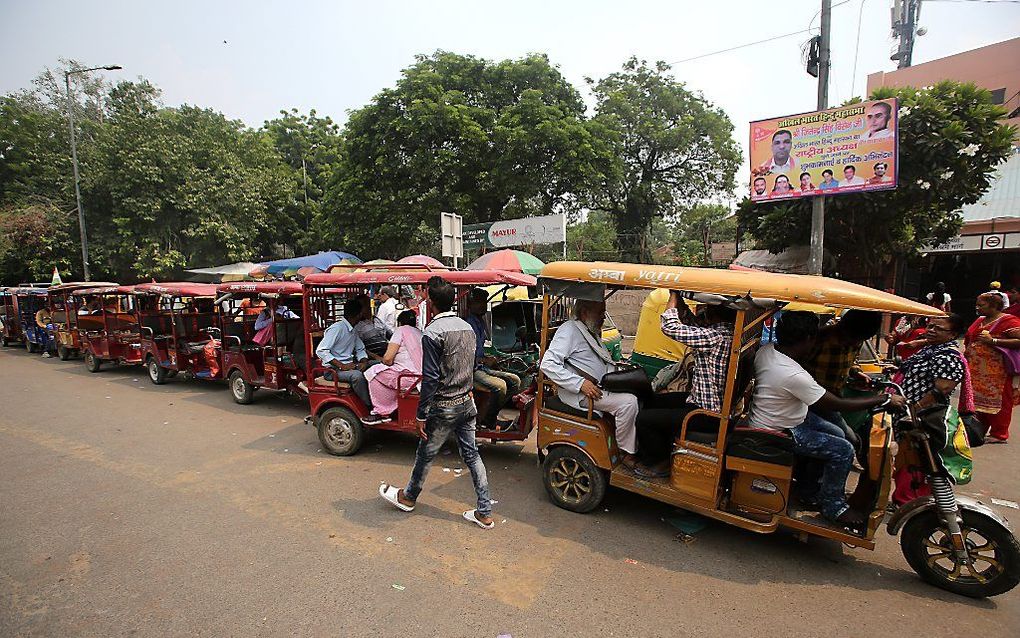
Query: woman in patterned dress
[995, 391]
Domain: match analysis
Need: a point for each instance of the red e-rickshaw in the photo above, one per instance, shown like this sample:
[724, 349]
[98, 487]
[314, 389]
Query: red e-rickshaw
[273, 357]
[10, 327]
[107, 325]
[179, 327]
[63, 304]
[337, 412]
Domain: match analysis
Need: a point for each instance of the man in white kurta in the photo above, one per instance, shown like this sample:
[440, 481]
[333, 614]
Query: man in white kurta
[576, 360]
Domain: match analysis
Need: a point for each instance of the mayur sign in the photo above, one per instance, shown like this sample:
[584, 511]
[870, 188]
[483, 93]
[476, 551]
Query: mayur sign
[549, 229]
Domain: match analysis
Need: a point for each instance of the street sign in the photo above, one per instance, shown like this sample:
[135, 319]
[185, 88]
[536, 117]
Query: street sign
[548, 229]
[452, 228]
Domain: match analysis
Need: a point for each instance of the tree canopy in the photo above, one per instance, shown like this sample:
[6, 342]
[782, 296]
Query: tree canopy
[486, 140]
[950, 142]
[672, 149]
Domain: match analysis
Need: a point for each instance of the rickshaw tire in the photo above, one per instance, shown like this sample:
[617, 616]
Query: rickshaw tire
[64, 353]
[92, 362]
[157, 376]
[350, 445]
[247, 392]
[912, 544]
[592, 477]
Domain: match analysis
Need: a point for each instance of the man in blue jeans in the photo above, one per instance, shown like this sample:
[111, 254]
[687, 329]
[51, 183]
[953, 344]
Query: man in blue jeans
[783, 391]
[500, 384]
[446, 404]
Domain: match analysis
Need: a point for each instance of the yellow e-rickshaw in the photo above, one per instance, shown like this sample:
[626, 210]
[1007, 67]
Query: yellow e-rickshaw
[742, 476]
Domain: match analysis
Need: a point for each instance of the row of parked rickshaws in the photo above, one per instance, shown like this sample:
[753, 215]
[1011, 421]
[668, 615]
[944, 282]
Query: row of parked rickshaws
[719, 469]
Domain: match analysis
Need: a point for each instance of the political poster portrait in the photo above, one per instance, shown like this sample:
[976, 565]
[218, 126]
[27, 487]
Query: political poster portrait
[848, 149]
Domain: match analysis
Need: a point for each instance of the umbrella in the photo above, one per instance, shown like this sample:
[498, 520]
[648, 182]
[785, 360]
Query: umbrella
[423, 260]
[511, 260]
[259, 271]
[322, 261]
[375, 262]
[229, 272]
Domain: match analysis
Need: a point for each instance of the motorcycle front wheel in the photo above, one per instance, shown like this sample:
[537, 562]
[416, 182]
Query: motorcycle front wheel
[994, 553]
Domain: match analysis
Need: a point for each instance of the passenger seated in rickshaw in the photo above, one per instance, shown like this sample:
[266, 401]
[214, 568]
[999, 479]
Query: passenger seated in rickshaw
[500, 384]
[576, 360]
[831, 361]
[372, 331]
[342, 350]
[403, 355]
[265, 321]
[784, 390]
[657, 426]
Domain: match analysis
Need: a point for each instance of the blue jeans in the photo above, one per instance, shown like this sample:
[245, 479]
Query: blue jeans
[818, 439]
[500, 384]
[440, 423]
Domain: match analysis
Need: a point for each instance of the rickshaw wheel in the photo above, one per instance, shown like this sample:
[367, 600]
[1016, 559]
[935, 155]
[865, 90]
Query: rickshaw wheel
[241, 390]
[572, 480]
[63, 353]
[994, 553]
[92, 362]
[340, 431]
[157, 373]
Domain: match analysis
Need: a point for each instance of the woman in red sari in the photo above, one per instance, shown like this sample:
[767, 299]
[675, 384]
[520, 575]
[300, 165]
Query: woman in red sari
[995, 392]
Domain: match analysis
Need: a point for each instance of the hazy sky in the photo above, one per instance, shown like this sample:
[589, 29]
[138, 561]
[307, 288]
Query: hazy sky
[334, 56]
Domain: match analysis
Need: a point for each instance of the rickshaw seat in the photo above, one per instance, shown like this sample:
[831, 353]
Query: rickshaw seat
[326, 383]
[761, 445]
[553, 402]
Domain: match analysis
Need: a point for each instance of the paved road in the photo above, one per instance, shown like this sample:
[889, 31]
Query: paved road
[127, 508]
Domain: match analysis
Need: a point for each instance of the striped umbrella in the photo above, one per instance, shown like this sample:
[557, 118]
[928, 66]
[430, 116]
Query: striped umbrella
[510, 260]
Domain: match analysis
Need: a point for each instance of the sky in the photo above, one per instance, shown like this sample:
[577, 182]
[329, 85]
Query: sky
[250, 59]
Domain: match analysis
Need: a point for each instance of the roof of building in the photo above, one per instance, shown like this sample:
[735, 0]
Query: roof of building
[1003, 196]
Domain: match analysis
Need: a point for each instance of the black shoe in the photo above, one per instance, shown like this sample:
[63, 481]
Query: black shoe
[371, 419]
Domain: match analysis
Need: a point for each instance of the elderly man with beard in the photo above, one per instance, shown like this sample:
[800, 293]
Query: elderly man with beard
[576, 361]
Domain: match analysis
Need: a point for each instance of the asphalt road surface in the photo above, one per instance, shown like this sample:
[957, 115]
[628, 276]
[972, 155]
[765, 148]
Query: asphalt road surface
[132, 509]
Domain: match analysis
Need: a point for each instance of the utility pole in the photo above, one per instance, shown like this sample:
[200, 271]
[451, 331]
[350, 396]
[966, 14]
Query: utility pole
[905, 14]
[818, 202]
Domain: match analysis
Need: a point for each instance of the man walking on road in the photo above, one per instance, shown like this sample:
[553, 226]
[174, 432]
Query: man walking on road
[446, 404]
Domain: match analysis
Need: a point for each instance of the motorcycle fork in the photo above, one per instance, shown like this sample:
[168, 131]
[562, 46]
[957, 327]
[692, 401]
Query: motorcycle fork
[945, 499]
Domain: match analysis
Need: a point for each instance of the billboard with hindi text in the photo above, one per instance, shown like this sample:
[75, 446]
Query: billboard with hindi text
[849, 149]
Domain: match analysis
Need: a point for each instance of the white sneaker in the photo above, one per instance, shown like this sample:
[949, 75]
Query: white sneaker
[301, 386]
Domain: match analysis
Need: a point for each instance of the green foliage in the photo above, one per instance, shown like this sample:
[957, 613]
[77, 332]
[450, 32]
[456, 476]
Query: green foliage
[35, 238]
[594, 239]
[486, 140]
[672, 148]
[698, 228]
[173, 188]
[950, 143]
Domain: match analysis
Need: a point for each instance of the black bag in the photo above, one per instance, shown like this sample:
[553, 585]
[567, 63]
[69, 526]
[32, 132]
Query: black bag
[632, 380]
[976, 430]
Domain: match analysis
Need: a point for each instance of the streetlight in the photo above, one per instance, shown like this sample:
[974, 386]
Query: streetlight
[74, 160]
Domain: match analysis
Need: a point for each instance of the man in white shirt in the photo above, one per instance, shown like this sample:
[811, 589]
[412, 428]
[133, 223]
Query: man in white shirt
[388, 302]
[782, 393]
[782, 161]
[878, 118]
[576, 361]
[850, 177]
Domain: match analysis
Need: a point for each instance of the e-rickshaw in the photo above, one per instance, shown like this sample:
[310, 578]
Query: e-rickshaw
[179, 327]
[107, 325]
[33, 317]
[337, 412]
[10, 326]
[273, 359]
[743, 476]
[63, 310]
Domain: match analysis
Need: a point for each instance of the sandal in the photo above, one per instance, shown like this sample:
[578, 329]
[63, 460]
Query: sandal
[392, 494]
[471, 515]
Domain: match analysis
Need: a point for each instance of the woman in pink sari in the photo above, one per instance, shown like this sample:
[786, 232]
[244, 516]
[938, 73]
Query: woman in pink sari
[992, 337]
[403, 355]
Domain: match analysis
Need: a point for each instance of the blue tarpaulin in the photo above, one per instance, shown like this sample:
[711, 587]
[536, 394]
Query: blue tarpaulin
[322, 261]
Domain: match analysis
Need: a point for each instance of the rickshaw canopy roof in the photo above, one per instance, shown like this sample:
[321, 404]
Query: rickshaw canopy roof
[413, 277]
[106, 290]
[177, 289]
[261, 287]
[24, 290]
[75, 285]
[823, 291]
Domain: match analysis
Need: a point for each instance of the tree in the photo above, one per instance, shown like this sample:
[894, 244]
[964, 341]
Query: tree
[950, 142]
[486, 140]
[593, 239]
[310, 146]
[673, 149]
[180, 187]
[35, 238]
[698, 228]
